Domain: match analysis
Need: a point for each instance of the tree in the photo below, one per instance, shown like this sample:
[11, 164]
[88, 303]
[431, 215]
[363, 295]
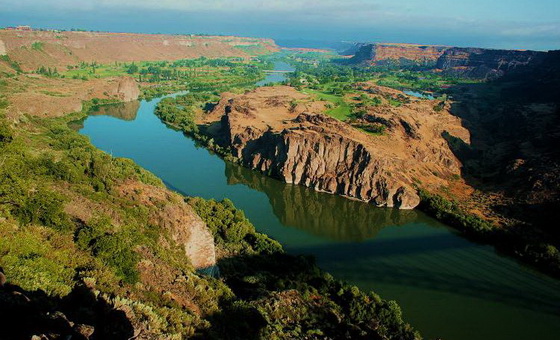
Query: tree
[132, 69]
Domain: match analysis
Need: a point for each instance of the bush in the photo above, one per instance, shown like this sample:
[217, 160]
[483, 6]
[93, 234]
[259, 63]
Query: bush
[232, 231]
[117, 251]
[45, 207]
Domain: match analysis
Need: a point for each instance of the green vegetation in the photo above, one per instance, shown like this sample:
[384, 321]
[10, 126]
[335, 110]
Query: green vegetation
[254, 49]
[525, 243]
[180, 112]
[13, 64]
[66, 226]
[233, 233]
[451, 213]
[164, 77]
[339, 109]
[38, 45]
[282, 296]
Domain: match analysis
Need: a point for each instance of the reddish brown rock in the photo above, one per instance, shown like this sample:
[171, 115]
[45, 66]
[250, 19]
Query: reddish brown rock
[185, 227]
[378, 54]
[304, 146]
[61, 49]
[484, 63]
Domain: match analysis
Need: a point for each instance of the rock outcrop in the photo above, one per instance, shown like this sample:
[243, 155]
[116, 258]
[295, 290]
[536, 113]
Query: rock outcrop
[43, 96]
[303, 146]
[379, 54]
[483, 63]
[126, 90]
[175, 216]
[327, 216]
[478, 63]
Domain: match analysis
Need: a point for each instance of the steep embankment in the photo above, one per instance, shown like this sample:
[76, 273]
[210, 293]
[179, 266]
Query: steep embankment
[95, 247]
[380, 54]
[515, 127]
[33, 49]
[43, 96]
[292, 204]
[483, 63]
[285, 134]
[478, 63]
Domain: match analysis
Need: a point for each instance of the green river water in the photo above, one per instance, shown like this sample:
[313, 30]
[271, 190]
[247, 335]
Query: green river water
[447, 286]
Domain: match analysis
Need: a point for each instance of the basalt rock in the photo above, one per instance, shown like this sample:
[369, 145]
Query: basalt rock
[304, 146]
[483, 63]
[403, 54]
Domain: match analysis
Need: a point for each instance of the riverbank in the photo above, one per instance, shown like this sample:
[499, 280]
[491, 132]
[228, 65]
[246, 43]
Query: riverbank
[403, 255]
[101, 243]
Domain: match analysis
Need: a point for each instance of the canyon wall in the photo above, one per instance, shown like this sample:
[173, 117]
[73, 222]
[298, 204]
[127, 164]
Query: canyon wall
[301, 145]
[33, 49]
[379, 54]
[477, 63]
[485, 63]
[326, 216]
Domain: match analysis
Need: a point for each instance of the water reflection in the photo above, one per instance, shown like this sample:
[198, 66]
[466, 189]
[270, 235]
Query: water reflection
[125, 111]
[435, 261]
[448, 287]
[321, 214]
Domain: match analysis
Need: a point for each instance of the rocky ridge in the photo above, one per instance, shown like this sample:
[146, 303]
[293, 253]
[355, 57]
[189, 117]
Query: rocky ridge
[380, 54]
[483, 63]
[33, 49]
[302, 145]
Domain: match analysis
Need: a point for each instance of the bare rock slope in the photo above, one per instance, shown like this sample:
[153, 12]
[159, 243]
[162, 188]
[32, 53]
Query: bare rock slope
[284, 133]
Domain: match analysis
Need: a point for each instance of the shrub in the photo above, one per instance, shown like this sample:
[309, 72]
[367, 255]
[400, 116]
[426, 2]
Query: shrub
[45, 207]
[117, 251]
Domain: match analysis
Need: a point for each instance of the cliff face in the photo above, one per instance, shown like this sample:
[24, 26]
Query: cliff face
[303, 146]
[327, 216]
[378, 54]
[49, 97]
[476, 63]
[516, 137]
[33, 49]
[485, 63]
[175, 216]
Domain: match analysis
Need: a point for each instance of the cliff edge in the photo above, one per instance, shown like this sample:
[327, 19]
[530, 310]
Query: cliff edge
[286, 134]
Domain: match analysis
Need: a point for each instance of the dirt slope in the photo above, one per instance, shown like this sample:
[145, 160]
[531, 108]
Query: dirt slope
[55, 97]
[32, 49]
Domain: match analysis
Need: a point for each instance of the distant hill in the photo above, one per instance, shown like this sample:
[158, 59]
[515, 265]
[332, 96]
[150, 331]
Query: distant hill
[33, 49]
[477, 63]
[384, 53]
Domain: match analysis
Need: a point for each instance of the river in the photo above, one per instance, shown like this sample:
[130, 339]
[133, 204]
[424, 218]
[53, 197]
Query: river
[447, 286]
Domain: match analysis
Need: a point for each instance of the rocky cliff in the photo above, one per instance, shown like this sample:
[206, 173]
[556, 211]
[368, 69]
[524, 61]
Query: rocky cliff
[515, 136]
[177, 218]
[45, 96]
[379, 54]
[302, 145]
[485, 63]
[33, 49]
[326, 216]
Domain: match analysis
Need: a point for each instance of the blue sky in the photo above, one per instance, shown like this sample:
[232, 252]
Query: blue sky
[521, 24]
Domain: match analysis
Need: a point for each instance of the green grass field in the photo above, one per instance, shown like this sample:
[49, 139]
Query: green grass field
[341, 110]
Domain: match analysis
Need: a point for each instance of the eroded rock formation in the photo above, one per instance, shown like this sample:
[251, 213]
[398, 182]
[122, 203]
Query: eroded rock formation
[184, 226]
[59, 49]
[484, 63]
[378, 54]
[301, 145]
